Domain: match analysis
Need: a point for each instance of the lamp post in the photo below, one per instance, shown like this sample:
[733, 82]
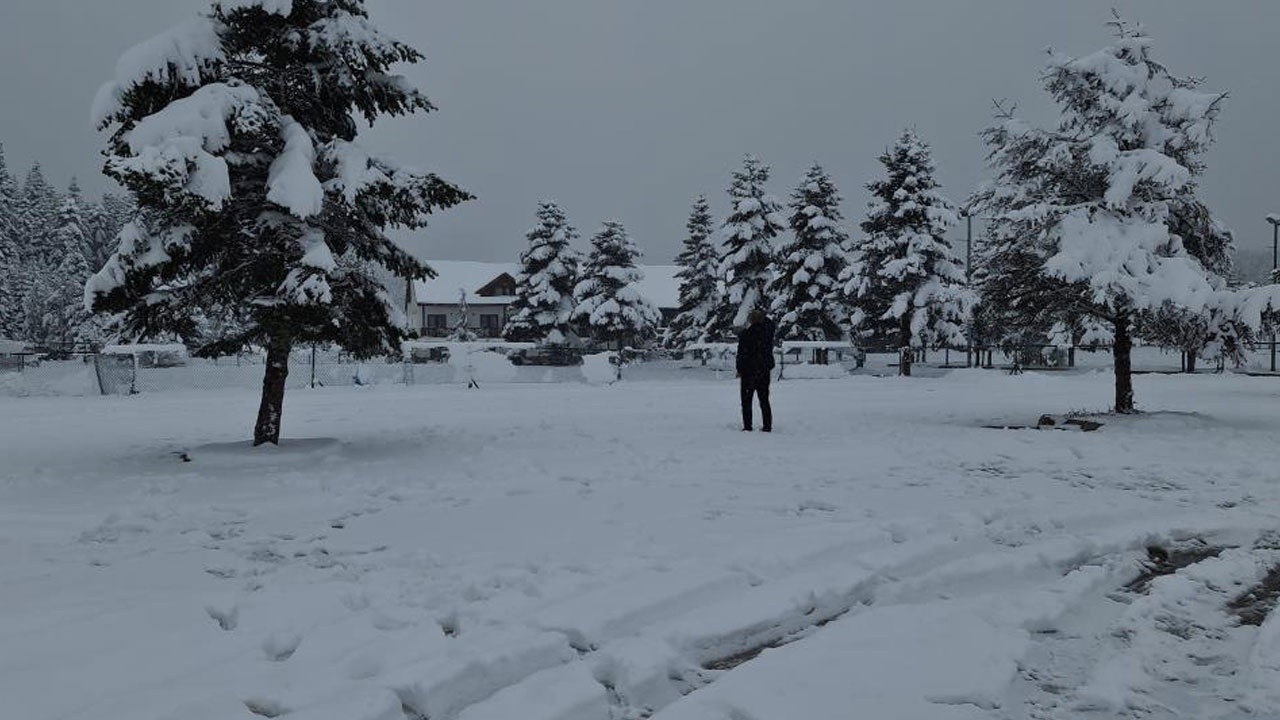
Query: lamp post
[967, 214]
[1274, 220]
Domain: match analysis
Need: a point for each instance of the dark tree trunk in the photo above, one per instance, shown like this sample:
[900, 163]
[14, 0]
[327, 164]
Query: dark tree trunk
[1190, 361]
[268, 428]
[1123, 351]
[905, 352]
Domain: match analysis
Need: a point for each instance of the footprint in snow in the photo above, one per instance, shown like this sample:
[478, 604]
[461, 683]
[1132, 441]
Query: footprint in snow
[264, 707]
[222, 572]
[227, 618]
[279, 647]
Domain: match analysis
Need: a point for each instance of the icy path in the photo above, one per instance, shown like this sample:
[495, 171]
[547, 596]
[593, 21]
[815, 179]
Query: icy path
[574, 552]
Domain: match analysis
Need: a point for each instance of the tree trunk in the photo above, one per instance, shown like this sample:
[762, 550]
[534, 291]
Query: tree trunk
[1191, 357]
[905, 352]
[1123, 352]
[268, 428]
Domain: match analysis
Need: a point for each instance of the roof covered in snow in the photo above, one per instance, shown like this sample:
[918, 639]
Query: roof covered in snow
[455, 275]
[660, 285]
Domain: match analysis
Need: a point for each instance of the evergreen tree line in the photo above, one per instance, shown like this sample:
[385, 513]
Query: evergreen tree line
[897, 284]
[51, 242]
[900, 286]
[563, 296]
[1094, 236]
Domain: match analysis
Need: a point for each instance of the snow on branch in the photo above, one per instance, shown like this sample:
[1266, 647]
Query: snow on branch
[179, 145]
[183, 55]
[356, 170]
[275, 7]
[291, 181]
[138, 249]
[1126, 257]
[390, 194]
[358, 41]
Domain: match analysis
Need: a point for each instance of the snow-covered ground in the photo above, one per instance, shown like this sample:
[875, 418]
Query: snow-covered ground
[601, 552]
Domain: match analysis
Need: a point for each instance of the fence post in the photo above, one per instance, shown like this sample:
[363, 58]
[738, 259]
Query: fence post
[97, 371]
[313, 366]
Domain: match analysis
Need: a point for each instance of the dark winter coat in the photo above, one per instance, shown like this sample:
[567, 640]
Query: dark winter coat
[755, 350]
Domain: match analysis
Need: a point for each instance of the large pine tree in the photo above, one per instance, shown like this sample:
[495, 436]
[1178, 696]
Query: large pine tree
[699, 279]
[748, 240]
[10, 258]
[236, 133]
[610, 305]
[810, 262]
[904, 285]
[1081, 220]
[543, 307]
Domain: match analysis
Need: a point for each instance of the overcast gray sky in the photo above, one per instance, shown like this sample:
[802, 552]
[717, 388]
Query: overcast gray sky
[627, 109]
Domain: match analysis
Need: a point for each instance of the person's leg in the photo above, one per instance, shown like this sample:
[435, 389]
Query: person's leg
[766, 410]
[746, 391]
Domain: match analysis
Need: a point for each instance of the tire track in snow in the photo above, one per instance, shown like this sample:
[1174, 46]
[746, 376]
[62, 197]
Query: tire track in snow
[1166, 649]
[657, 663]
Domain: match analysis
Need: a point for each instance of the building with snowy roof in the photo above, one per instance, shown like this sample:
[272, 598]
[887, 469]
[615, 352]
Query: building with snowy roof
[435, 305]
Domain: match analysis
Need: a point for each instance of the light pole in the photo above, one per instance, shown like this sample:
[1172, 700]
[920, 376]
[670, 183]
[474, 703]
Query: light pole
[967, 214]
[1274, 220]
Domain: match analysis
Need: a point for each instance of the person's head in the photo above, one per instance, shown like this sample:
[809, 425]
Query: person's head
[756, 317]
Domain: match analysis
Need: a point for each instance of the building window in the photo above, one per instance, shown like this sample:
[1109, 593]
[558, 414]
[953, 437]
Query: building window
[491, 324]
[437, 321]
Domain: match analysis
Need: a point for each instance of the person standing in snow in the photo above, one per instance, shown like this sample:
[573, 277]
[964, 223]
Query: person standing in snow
[755, 363]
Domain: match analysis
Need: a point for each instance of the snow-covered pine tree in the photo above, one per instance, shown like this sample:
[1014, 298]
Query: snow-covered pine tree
[10, 259]
[103, 221]
[1206, 333]
[904, 284]
[38, 309]
[748, 239]
[699, 279]
[810, 262]
[1080, 214]
[75, 194]
[609, 301]
[543, 306]
[236, 133]
[69, 321]
[37, 208]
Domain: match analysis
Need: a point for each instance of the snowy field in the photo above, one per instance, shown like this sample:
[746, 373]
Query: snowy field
[584, 552]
